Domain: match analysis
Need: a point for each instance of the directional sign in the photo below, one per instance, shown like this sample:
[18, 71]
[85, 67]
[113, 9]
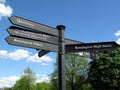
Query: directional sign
[91, 47]
[42, 53]
[33, 25]
[82, 54]
[15, 31]
[70, 41]
[94, 55]
[31, 43]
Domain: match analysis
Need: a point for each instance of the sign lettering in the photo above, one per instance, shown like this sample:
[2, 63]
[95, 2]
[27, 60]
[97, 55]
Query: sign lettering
[33, 25]
[25, 22]
[31, 43]
[89, 47]
[15, 31]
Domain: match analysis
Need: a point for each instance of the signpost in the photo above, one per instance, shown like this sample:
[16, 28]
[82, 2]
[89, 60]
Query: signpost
[35, 35]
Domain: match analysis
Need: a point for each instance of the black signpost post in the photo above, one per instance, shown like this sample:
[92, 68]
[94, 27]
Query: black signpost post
[61, 62]
[45, 38]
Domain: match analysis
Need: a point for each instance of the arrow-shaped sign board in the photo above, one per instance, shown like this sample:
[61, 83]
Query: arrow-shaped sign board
[43, 52]
[33, 25]
[82, 54]
[90, 47]
[31, 43]
[92, 55]
[15, 31]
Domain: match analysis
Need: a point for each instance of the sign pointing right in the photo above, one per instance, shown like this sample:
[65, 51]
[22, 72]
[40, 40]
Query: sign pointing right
[100, 46]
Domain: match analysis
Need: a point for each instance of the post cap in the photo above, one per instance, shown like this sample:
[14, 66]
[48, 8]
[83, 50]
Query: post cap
[60, 27]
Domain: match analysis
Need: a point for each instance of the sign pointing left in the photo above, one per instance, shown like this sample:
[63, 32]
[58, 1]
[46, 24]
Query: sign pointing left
[33, 25]
[31, 43]
[15, 31]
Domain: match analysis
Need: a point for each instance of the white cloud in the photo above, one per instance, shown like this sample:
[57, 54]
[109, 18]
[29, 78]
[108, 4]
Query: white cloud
[15, 55]
[8, 81]
[44, 64]
[3, 53]
[18, 54]
[43, 60]
[5, 10]
[11, 80]
[118, 41]
[117, 33]
[2, 1]
[44, 78]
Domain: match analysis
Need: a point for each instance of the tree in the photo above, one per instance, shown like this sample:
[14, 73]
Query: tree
[6, 88]
[27, 80]
[104, 73]
[42, 86]
[76, 72]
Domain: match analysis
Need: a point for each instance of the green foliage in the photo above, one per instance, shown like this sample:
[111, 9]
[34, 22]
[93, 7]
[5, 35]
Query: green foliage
[6, 88]
[105, 72]
[86, 86]
[42, 86]
[76, 72]
[26, 82]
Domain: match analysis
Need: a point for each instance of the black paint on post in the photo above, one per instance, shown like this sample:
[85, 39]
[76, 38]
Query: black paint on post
[61, 61]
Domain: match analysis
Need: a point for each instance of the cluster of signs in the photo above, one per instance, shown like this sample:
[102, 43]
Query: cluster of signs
[34, 35]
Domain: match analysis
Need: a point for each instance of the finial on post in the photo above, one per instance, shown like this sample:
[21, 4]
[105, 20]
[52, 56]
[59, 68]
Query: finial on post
[60, 27]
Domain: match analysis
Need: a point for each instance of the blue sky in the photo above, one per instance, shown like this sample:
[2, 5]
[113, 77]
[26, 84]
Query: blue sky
[85, 20]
